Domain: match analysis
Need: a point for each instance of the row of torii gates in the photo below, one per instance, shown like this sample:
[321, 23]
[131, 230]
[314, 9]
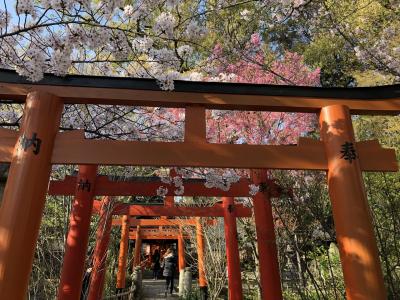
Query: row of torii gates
[39, 144]
[87, 185]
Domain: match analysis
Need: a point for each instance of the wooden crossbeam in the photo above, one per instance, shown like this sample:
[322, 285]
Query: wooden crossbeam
[156, 222]
[160, 222]
[157, 237]
[176, 211]
[157, 234]
[73, 148]
[170, 231]
[147, 186]
[141, 92]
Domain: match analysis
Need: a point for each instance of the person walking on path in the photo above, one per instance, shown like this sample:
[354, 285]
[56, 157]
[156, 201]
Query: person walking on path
[169, 270]
[155, 265]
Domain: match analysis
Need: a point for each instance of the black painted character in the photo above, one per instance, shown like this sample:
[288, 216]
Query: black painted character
[82, 185]
[34, 141]
[348, 151]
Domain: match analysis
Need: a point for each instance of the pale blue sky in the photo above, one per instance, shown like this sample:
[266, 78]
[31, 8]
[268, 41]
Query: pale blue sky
[9, 3]
[10, 6]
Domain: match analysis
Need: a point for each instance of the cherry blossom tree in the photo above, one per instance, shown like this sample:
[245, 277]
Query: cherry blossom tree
[159, 39]
[165, 40]
[146, 38]
[261, 127]
[239, 127]
[162, 124]
[168, 39]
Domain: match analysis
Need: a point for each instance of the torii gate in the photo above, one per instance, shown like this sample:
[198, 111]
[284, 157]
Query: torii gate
[228, 210]
[138, 186]
[38, 144]
[150, 234]
[153, 234]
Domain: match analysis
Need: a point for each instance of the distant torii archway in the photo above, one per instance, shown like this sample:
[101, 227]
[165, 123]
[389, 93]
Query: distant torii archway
[87, 181]
[228, 210]
[39, 144]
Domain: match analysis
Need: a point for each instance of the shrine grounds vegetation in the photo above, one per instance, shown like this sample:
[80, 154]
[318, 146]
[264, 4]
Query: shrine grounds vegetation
[315, 43]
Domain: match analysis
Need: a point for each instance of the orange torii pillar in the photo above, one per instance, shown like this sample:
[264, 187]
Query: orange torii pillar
[181, 251]
[169, 201]
[200, 260]
[267, 252]
[78, 234]
[138, 248]
[100, 252]
[232, 250]
[25, 192]
[123, 253]
[353, 222]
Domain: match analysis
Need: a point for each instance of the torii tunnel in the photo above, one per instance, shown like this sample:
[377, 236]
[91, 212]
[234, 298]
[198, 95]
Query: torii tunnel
[38, 144]
[147, 186]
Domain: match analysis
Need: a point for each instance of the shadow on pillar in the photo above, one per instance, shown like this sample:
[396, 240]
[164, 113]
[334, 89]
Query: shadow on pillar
[4, 167]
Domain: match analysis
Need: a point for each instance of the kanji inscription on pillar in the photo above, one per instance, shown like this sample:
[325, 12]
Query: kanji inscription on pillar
[26, 143]
[348, 151]
[82, 185]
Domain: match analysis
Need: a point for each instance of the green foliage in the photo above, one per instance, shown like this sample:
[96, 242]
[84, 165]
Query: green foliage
[335, 59]
[383, 190]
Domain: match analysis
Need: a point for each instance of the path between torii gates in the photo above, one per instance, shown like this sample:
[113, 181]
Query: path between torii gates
[155, 289]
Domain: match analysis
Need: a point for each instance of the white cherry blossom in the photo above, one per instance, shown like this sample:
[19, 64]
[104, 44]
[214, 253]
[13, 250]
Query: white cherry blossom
[162, 191]
[164, 25]
[253, 189]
